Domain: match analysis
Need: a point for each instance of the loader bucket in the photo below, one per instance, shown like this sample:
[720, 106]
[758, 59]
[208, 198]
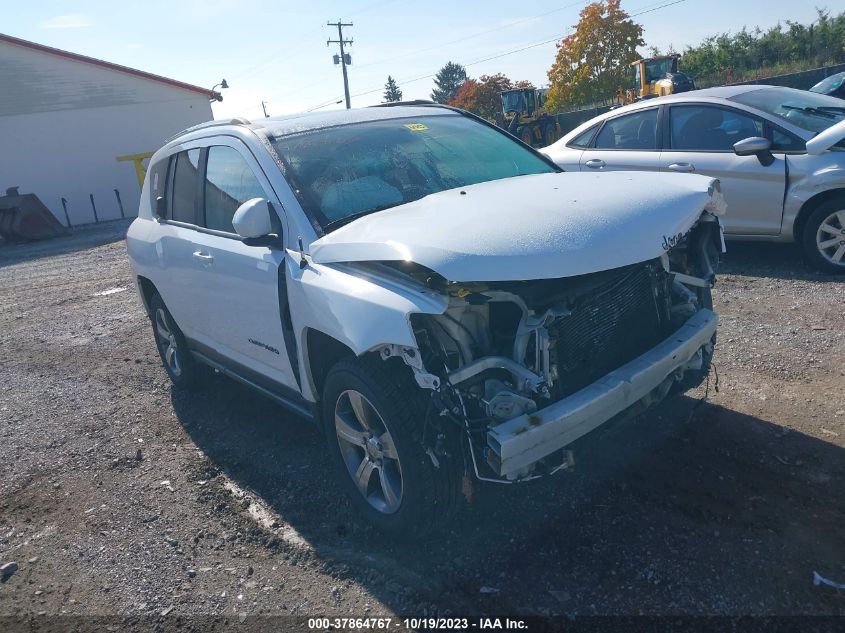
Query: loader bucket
[23, 217]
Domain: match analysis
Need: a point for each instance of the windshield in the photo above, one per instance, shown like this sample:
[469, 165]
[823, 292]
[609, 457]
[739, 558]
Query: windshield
[826, 86]
[807, 110]
[513, 101]
[344, 172]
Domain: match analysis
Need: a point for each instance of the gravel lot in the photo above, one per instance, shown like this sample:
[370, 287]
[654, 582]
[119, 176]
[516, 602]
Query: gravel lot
[119, 495]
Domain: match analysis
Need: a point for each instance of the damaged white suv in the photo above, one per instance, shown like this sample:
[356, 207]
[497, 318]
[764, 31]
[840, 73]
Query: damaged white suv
[438, 296]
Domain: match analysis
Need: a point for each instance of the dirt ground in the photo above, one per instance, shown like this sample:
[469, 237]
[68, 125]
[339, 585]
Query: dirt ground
[120, 495]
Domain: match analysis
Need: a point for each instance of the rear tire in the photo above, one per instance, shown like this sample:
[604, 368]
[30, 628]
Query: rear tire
[823, 237]
[181, 367]
[373, 415]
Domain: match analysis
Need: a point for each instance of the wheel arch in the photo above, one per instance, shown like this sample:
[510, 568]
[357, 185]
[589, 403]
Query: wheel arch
[321, 352]
[811, 205]
[146, 290]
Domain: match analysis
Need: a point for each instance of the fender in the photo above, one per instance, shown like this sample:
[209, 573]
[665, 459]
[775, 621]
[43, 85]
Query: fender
[356, 305]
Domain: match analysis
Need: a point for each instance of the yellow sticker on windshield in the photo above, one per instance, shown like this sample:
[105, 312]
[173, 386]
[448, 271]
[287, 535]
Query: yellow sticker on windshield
[416, 127]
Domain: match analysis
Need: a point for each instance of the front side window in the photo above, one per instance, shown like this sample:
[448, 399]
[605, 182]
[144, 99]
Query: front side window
[343, 172]
[183, 201]
[637, 131]
[785, 142]
[700, 128]
[229, 182]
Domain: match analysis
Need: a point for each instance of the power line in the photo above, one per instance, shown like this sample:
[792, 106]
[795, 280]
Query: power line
[517, 50]
[431, 48]
[474, 35]
[299, 49]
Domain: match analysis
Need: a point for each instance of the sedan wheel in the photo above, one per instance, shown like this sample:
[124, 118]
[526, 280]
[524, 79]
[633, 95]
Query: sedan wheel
[830, 238]
[368, 451]
[823, 237]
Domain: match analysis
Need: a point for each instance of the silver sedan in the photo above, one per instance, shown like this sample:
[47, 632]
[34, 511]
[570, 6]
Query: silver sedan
[778, 152]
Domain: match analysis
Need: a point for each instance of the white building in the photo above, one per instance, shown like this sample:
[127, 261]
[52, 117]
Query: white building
[79, 129]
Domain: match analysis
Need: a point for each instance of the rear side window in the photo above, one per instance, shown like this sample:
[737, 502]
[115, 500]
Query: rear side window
[157, 175]
[229, 182]
[584, 138]
[183, 201]
[637, 131]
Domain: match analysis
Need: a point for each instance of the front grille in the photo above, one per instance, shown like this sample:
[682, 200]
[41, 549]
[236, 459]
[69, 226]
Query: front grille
[609, 325]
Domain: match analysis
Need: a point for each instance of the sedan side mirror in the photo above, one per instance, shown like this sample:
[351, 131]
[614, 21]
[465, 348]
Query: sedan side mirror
[252, 219]
[756, 146]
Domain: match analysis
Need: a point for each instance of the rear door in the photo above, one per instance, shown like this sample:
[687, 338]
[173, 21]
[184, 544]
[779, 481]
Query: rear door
[174, 247]
[625, 142]
[700, 140]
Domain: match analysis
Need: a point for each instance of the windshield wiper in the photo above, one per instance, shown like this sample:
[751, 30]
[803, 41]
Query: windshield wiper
[823, 111]
[336, 224]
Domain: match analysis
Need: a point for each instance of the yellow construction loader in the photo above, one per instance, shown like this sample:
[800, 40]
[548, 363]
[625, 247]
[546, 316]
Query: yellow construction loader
[524, 115]
[655, 77]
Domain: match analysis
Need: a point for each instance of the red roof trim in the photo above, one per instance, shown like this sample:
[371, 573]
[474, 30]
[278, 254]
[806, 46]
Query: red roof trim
[99, 62]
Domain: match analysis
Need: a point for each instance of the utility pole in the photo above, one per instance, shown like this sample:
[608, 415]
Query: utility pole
[264, 107]
[344, 59]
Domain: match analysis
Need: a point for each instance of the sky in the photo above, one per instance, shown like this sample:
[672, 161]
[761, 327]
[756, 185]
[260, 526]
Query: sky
[275, 51]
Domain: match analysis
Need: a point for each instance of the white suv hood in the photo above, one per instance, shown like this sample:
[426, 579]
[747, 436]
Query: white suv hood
[530, 227]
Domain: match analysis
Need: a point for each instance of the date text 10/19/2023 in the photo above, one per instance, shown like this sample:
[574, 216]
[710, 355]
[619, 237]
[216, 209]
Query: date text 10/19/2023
[458, 624]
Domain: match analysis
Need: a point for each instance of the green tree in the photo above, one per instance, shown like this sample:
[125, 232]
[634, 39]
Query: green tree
[752, 54]
[590, 63]
[392, 92]
[447, 81]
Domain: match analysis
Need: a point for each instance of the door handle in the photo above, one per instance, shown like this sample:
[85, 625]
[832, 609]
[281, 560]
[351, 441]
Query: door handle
[681, 167]
[205, 258]
[595, 163]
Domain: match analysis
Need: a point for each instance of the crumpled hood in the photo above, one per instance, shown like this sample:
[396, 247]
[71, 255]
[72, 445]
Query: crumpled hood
[530, 227]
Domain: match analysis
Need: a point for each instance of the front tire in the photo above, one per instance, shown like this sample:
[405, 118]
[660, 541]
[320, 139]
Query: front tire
[823, 237]
[526, 136]
[373, 419]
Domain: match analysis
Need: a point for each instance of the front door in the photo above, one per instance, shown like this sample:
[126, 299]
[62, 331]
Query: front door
[701, 139]
[238, 286]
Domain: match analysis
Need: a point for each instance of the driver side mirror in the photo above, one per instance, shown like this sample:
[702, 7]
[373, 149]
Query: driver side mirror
[756, 146]
[253, 222]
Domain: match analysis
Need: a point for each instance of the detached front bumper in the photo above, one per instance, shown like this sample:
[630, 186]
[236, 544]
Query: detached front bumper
[522, 441]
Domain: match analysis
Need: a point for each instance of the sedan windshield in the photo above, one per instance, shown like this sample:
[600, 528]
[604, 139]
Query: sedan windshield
[807, 110]
[344, 172]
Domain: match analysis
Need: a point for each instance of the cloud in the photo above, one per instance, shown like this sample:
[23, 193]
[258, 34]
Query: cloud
[70, 21]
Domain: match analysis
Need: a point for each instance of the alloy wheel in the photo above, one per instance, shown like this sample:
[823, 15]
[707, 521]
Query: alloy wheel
[830, 238]
[368, 451]
[167, 342]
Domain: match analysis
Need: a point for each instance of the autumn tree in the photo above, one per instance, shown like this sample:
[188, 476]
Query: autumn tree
[447, 81]
[590, 64]
[392, 92]
[481, 96]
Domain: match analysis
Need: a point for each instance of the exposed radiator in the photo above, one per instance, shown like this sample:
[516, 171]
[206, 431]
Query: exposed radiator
[608, 326]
